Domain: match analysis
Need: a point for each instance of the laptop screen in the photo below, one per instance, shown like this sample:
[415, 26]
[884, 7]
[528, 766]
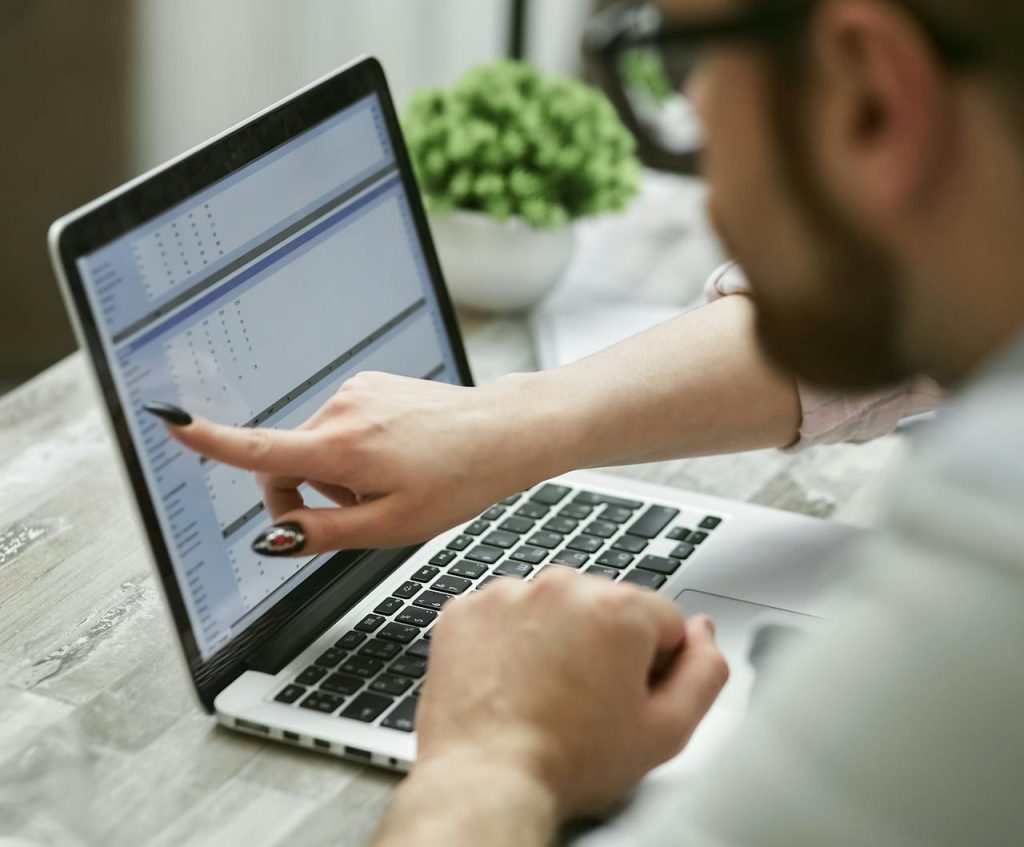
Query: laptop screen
[250, 303]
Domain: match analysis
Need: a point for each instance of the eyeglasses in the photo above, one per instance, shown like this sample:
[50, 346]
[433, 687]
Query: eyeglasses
[644, 60]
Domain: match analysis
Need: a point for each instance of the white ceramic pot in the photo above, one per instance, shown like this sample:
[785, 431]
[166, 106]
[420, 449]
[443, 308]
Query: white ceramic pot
[499, 266]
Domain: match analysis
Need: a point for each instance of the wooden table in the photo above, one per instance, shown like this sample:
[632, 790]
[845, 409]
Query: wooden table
[101, 740]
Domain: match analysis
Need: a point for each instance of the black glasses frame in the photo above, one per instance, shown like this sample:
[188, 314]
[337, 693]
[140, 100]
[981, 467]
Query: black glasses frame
[630, 25]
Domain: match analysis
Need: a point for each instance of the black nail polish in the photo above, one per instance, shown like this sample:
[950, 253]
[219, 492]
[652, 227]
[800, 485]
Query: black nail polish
[167, 412]
[280, 540]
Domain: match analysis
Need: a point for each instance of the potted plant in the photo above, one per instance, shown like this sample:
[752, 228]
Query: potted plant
[507, 159]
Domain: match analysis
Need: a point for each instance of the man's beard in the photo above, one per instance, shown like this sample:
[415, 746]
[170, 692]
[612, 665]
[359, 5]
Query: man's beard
[845, 333]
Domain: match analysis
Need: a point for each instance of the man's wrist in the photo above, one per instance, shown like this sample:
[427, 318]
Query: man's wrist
[465, 797]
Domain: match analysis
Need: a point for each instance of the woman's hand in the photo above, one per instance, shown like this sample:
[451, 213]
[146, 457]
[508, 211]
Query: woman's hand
[403, 458]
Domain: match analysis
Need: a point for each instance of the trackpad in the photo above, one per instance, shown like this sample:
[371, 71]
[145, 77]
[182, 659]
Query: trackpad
[751, 637]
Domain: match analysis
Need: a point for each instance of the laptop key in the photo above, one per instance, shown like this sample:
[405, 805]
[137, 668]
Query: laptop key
[322, 701]
[697, 537]
[570, 558]
[577, 511]
[493, 513]
[330, 657]
[653, 521]
[533, 511]
[710, 522]
[659, 564]
[517, 525]
[378, 649]
[678, 533]
[614, 559]
[407, 589]
[517, 569]
[290, 693]
[546, 539]
[478, 527]
[460, 542]
[403, 633]
[682, 550]
[602, 529]
[645, 579]
[602, 571]
[369, 623]
[419, 650]
[629, 544]
[362, 666]
[444, 557]
[340, 683]
[530, 555]
[500, 538]
[407, 666]
[394, 685]
[426, 573]
[549, 494]
[562, 525]
[451, 584]
[367, 707]
[511, 499]
[388, 606]
[311, 675]
[470, 570]
[417, 617]
[592, 498]
[615, 514]
[487, 555]
[350, 640]
[431, 600]
[585, 543]
[403, 716]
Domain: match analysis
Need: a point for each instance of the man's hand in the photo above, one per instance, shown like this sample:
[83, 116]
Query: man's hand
[554, 696]
[404, 458]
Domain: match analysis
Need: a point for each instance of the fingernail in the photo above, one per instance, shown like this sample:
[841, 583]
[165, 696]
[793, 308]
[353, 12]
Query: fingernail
[280, 540]
[167, 412]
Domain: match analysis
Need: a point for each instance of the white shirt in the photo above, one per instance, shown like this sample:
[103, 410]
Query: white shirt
[902, 722]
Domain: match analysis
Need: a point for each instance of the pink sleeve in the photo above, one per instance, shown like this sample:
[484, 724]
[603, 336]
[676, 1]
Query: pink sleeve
[830, 417]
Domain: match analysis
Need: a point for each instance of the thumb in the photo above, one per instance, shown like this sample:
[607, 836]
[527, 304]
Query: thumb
[687, 689]
[309, 531]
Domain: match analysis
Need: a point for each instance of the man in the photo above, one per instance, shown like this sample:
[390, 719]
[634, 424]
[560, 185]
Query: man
[866, 162]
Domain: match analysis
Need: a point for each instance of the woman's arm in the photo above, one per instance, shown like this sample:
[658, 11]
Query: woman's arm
[410, 458]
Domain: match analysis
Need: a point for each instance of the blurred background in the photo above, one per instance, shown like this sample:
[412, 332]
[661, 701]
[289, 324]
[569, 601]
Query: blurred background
[96, 92]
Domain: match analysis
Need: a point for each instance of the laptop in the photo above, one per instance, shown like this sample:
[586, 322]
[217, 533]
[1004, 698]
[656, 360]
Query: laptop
[246, 280]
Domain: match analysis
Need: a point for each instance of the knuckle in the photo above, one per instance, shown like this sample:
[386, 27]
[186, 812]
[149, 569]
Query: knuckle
[720, 668]
[617, 603]
[258, 443]
[362, 380]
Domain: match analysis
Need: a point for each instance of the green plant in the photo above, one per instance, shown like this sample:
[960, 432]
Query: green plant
[643, 69]
[511, 142]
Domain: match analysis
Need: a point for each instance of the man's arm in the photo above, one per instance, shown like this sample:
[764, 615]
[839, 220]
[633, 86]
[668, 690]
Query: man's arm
[409, 458]
[547, 700]
[459, 799]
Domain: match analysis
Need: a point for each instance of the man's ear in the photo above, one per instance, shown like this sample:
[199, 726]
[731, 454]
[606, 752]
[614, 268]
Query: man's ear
[885, 116]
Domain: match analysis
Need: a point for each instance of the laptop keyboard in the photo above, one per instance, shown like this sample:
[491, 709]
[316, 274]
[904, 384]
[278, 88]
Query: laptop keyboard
[375, 671]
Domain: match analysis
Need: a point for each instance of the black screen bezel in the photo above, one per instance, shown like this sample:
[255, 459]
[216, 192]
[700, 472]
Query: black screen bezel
[85, 231]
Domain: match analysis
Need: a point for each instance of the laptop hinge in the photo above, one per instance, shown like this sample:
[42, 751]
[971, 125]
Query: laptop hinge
[324, 610]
